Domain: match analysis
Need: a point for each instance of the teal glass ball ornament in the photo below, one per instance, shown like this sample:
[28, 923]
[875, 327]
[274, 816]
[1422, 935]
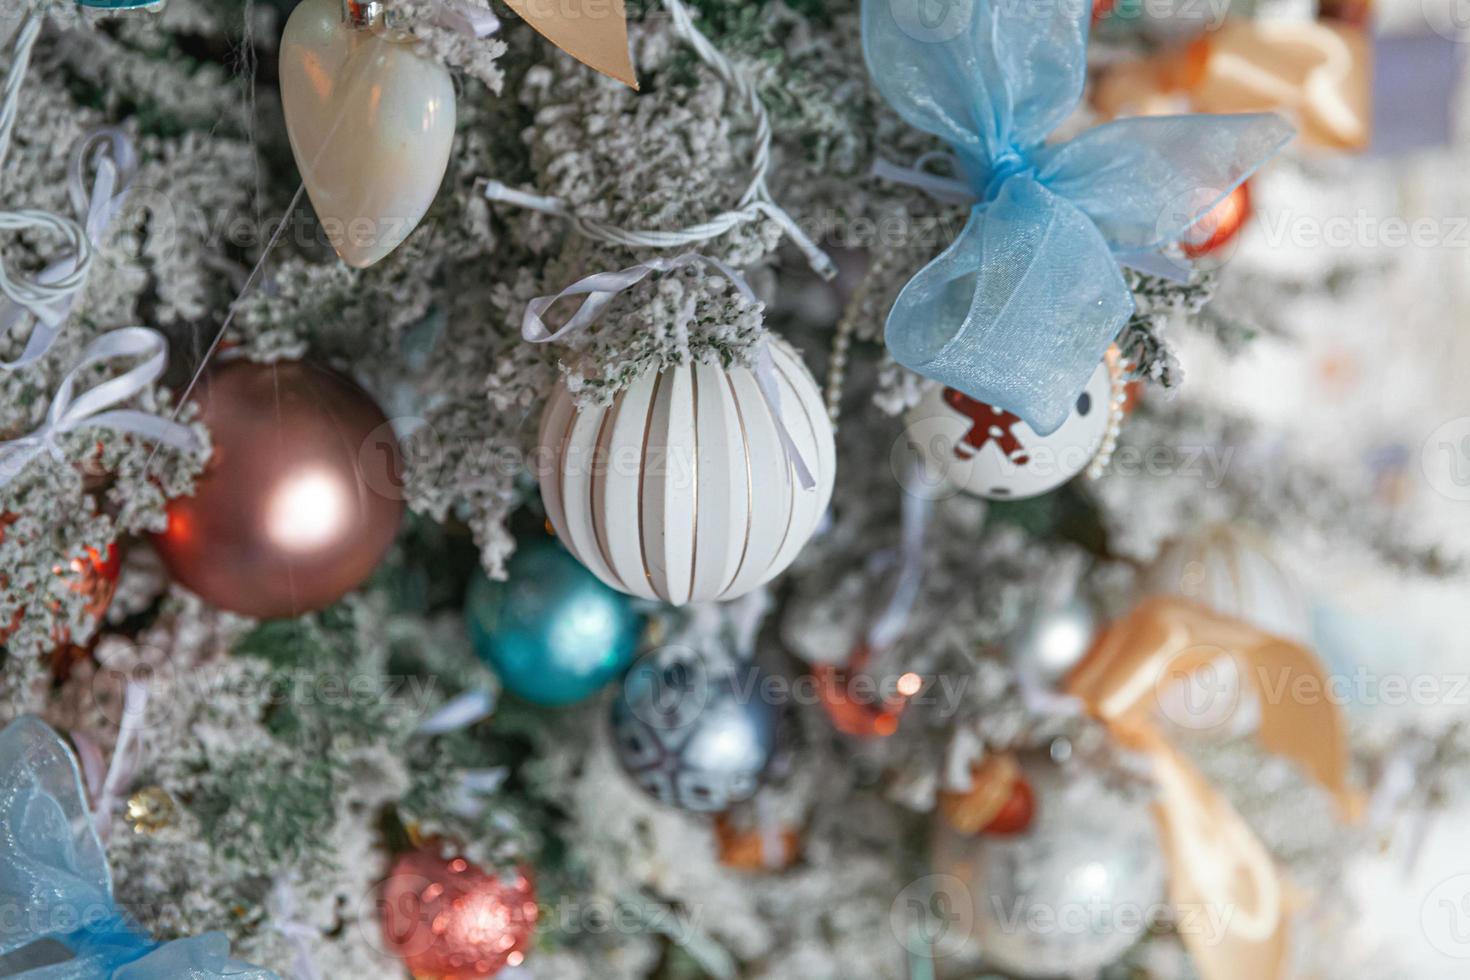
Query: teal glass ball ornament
[552, 631]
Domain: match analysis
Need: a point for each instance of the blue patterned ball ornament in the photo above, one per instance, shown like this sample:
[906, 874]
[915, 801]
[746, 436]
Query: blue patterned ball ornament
[692, 732]
[552, 632]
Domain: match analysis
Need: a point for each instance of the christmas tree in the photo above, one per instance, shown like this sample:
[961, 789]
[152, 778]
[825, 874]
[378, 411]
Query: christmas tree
[705, 489]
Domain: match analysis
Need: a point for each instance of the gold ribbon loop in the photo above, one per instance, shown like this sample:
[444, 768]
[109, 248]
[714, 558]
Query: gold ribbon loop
[1318, 73]
[1233, 903]
[595, 32]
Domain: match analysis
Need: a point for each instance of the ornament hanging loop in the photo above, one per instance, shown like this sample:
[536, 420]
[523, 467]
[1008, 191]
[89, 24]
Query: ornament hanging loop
[362, 15]
[375, 16]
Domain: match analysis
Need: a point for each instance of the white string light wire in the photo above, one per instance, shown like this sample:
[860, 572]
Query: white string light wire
[32, 293]
[754, 204]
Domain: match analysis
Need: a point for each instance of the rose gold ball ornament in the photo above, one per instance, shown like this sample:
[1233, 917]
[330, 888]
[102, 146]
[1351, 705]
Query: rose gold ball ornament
[301, 497]
[448, 919]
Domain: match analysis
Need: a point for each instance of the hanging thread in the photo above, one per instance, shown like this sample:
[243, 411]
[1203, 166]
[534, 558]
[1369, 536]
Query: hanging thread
[470, 23]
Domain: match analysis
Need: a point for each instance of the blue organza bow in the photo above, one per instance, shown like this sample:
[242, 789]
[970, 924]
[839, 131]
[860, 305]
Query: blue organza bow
[58, 919]
[1020, 309]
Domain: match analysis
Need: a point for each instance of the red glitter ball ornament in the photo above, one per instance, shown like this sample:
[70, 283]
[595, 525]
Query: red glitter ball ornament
[450, 920]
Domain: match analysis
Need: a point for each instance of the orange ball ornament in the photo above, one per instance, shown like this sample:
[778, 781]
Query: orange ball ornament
[857, 709]
[93, 575]
[999, 801]
[1220, 226]
[450, 920]
[753, 849]
[1016, 815]
[301, 498]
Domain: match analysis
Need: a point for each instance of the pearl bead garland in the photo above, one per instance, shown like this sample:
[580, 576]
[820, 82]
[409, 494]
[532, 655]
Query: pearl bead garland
[837, 366]
[1119, 370]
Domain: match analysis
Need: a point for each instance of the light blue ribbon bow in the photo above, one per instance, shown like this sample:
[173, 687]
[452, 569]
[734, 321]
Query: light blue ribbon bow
[1019, 310]
[56, 888]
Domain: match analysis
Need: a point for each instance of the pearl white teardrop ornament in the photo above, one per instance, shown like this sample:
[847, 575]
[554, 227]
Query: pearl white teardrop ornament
[680, 489]
[371, 123]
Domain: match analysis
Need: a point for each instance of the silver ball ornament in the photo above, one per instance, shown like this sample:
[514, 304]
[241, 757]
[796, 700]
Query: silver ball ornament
[1054, 638]
[1072, 893]
[693, 731]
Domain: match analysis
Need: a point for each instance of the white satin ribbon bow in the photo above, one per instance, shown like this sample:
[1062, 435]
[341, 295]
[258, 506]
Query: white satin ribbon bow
[93, 408]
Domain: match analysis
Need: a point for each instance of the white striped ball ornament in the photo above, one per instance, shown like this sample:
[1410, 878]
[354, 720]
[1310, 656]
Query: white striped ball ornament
[680, 489]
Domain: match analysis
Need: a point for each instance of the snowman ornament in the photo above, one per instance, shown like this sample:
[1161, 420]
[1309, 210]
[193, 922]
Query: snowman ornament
[989, 452]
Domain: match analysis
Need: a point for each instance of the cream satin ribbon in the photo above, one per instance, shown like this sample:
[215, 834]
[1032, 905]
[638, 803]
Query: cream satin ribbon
[1315, 71]
[1217, 866]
